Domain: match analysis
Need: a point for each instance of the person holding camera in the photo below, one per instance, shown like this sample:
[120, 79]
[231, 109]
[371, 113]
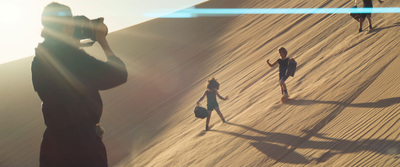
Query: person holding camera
[68, 81]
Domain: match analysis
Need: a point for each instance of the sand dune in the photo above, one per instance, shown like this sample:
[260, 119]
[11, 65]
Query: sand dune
[345, 95]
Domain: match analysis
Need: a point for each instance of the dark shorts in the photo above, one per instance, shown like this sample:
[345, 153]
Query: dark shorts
[283, 77]
[367, 4]
[364, 15]
[72, 147]
[211, 106]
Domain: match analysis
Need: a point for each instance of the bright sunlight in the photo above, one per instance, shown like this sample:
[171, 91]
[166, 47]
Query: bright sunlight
[20, 26]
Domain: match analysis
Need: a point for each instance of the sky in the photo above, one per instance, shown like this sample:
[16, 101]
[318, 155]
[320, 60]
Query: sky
[20, 24]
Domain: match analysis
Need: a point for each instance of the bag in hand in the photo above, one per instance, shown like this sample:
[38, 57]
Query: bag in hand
[200, 112]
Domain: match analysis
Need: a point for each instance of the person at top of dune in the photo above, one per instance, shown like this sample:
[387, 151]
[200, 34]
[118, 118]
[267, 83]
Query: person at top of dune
[367, 4]
[283, 65]
[68, 81]
[212, 104]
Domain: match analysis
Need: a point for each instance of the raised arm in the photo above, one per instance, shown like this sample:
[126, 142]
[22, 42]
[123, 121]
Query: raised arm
[273, 64]
[101, 32]
[201, 98]
[219, 96]
[113, 72]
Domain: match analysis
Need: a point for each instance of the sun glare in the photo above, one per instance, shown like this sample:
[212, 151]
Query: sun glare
[9, 13]
[20, 23]
[20, 27]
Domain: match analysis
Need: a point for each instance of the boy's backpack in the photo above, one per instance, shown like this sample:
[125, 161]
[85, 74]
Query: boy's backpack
[291, 69]
[200, 112]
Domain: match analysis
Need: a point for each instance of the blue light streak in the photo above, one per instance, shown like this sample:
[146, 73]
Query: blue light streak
[193, 12]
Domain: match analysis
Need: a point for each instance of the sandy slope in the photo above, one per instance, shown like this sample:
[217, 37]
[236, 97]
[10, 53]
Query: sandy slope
[345, 93]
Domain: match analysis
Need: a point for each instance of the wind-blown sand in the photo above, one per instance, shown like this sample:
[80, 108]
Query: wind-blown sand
[345, 95]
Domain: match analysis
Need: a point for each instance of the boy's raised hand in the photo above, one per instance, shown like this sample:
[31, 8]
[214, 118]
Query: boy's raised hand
[271, 65]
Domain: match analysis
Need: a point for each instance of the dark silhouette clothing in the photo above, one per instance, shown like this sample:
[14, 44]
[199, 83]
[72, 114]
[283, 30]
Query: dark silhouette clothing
[73, 146]
[68, 81]
[211, 100]
[367, 3]
[283, 65]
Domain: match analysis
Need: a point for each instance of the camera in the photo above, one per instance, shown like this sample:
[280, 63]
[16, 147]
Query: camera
[86, 28]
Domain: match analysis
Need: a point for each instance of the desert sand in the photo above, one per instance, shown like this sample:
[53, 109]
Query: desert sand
[345, 96]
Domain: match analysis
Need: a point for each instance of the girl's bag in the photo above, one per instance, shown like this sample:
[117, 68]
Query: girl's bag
[200, 112]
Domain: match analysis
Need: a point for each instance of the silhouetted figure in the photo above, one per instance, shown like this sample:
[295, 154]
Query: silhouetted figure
[68, 81]
[212, 104]
[367, 4]
[283, 65]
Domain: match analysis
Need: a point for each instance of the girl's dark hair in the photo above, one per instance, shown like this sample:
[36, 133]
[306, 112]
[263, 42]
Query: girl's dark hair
[212, 84]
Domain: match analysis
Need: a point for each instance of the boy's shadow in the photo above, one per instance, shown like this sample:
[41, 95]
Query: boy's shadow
[375, 30]
[377, 104]
[282, 147]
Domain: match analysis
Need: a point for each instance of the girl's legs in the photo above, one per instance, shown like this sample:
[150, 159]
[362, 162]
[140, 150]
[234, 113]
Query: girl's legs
[220, 114]
[208, 119]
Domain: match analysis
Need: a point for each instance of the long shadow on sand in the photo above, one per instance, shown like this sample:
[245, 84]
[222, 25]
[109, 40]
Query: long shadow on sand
[377, 104]
[375, 30]
[282, 147]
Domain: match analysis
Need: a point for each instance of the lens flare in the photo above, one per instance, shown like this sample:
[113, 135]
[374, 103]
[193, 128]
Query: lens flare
[193, 12]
